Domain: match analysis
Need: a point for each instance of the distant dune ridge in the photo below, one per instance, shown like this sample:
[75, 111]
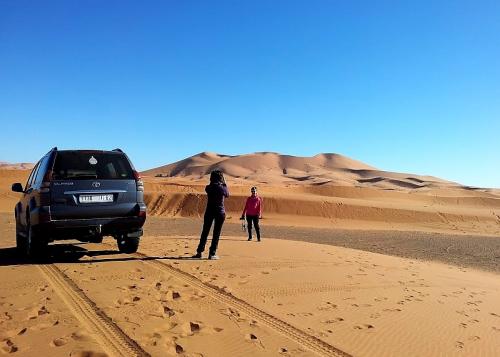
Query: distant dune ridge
[16, 166]
[274, 168]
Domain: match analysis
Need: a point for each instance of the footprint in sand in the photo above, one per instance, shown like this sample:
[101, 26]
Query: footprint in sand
[474, 338]
[306, 314]
[459, 344]
[364, 327]
[43, 288]
[327, 306]
[168, 312]
[172, 295]
[8, 346]
[80, 336]
[5, 317]
[178, 349]
[87, 354]
[333, 321]
[38, 312]
[462, 312]
[58, 342]
[122, 302]
[251, 337]
[191, 327]
[22, 331]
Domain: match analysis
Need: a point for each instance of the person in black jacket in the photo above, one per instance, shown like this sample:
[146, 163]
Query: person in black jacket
[216, 193]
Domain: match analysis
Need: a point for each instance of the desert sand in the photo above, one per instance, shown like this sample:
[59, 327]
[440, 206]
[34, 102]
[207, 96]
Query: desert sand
[303, 291]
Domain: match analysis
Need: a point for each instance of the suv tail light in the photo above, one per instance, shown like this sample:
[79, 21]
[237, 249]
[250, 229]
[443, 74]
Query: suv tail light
[45, 186]
[140, 184]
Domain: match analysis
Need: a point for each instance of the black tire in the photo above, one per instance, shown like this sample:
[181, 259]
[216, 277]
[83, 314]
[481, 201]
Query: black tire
[128, 245]
[20, 242]
[35, 245]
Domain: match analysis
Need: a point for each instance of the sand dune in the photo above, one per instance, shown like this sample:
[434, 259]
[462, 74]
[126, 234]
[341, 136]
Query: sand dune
[273, 168]
[326, 190]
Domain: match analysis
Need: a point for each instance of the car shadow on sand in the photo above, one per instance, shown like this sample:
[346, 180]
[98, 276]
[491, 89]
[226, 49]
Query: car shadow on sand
[73, 253]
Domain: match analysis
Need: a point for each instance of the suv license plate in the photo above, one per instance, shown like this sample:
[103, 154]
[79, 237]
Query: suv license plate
[95, 198]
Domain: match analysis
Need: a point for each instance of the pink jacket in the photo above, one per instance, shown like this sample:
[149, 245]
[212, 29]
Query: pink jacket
[253, 206]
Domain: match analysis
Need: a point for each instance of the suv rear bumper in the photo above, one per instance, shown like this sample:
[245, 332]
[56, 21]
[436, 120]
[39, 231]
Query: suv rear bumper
[81, 228]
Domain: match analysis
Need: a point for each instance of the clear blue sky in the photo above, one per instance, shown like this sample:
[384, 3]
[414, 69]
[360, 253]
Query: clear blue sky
[410, 86]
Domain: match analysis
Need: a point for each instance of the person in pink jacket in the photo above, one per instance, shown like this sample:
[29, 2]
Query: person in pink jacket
[253, 212]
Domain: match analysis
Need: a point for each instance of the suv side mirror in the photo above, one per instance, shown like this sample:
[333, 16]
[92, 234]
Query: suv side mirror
[17, 187]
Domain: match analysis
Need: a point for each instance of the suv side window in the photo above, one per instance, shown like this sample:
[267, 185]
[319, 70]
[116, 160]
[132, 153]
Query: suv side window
[29, 183]
[42, 167]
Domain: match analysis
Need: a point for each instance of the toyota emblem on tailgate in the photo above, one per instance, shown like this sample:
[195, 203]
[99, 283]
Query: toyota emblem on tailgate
[96, 184]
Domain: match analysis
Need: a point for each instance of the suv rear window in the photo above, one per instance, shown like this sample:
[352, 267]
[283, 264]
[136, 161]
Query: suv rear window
[84, 165]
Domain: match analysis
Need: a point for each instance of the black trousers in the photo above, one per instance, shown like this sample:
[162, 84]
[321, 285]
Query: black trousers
[210, 217]
[255, 221]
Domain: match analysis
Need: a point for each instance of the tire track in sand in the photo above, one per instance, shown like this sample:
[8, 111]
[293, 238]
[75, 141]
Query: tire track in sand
[295, 334]
[109, 335]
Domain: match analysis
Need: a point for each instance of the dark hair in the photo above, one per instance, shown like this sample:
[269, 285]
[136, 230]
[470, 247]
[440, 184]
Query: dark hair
[216, 176]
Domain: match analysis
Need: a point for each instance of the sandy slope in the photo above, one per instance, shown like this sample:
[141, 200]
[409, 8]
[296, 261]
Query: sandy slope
[274, 298]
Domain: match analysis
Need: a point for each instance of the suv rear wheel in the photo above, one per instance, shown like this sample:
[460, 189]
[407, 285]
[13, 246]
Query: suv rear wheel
[34, 245]
[128, 244]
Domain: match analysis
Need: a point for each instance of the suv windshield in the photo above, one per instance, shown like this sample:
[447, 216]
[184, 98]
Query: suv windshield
[83, 165]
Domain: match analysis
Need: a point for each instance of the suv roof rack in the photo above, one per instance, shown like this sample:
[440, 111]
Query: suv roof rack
[119, 150]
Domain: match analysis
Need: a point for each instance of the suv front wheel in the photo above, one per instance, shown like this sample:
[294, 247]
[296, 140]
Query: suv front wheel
[20, 240]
